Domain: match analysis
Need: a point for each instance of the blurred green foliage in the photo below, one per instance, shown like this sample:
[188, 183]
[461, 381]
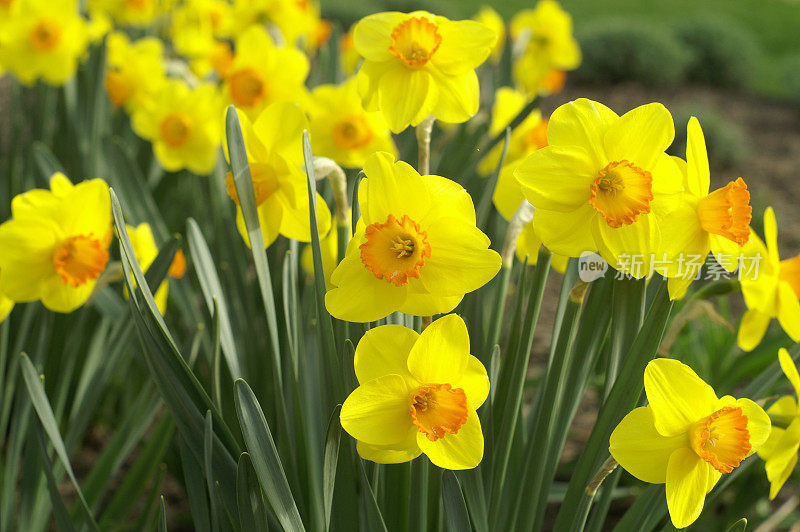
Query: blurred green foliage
[725, 140]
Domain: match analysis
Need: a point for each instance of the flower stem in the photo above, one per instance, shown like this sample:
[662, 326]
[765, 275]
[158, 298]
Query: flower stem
[424, 145]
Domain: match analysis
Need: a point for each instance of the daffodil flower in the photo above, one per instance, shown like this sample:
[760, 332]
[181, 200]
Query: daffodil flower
[146, 251]
[544, 44]
[595, 183]
[126, 13]
[275, 153]
[492, 20]
[135, 70]
[780, 450]
[182, 123]
[418, 64]
[418, 393]
[416, 249]
[55, 246]
[686, 437]
[770, 286]
[43, 39]
[700, 222]
[342, 130]
[528, 244]
[262, 73]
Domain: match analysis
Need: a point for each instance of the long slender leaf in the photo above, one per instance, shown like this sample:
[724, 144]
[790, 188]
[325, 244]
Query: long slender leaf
[455, 508]
[252, 510]
[60, 512]
[330, 463]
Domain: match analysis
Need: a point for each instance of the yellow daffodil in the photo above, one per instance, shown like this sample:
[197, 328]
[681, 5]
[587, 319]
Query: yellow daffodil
[595, 185]
[262, 73]
[6, 305]
[198, 28]
[300, 23]
[43, 39]
[275, 153]
[348, 55]
[137, 13]
[528, 244]
[416, 248]
[543, 36]
[135, 70]
[686, 437]
[418, 64]
[342, 130]
[700, 222]
[770, 286]
[780, 450]
[55, 246]
[492, 20]
[418, 393]
[184, 126]
[146, 251]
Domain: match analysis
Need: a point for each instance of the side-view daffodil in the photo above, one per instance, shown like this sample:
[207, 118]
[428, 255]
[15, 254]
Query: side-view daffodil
[595, 184]
[55, 246]
[342, 130]
[416, 249]
[275, 153]
[183, 125]
[418, 64]
[686, 437]
[135, 70]
[417, 393]
[780, 450]
[770, 286]
[146, 251]
[700, 222]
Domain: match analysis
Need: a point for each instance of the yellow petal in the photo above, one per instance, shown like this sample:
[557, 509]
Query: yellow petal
[426, 304]
[687, 485]
[384, 351]
[789, 369]
[391, 454]
[528, 244]
[465, 45]
[789, 310]
[758, 422]
[640, 136]
[458, 96]
[269, 219]
[752, 329]
[566, 233]
[295, 222]
[507, 192]
[640, 449]
[62, 297]
[377, 411]
[463, 450]
[406, 97]
[771, 234]
[698, 176]
[677, 396]
[557, 178]
[629, 248]
[372, 35]
[6, 305]
[582, 123]
[780, 469]
[677, 286]
[475, 382]
[441, 353]
[725, 251]
[460, 260]
[392, 188]
[27, 258]
[359, 296]
[448, 199]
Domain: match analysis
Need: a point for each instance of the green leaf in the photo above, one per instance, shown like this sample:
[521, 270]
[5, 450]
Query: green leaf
[162, 516]
[330, 463]
[46, 162]
[738, 526]
[252, 510]
[60, 512]
[370, 503]
[195, 489]
[485, 203]
[212, 292]
[240, 168]
[455, 508]
[42, 407]
[208, 453]
[266, 462]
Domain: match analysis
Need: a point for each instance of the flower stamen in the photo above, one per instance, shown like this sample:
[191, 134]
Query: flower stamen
[621, 192]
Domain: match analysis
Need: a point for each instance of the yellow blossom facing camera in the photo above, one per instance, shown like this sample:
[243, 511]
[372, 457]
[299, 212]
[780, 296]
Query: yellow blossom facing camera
[183, 125]
[275, 153]
[138, 13]
[146, 251]
[135, 70]
[544, 43]
[342, 130]
[686, 437]
[596, 184]
[43, 39]
[770, 286]
[418, 65]
[416, 249]
[262, 73]
[780, 450]
[418, 393]
[55, 246]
